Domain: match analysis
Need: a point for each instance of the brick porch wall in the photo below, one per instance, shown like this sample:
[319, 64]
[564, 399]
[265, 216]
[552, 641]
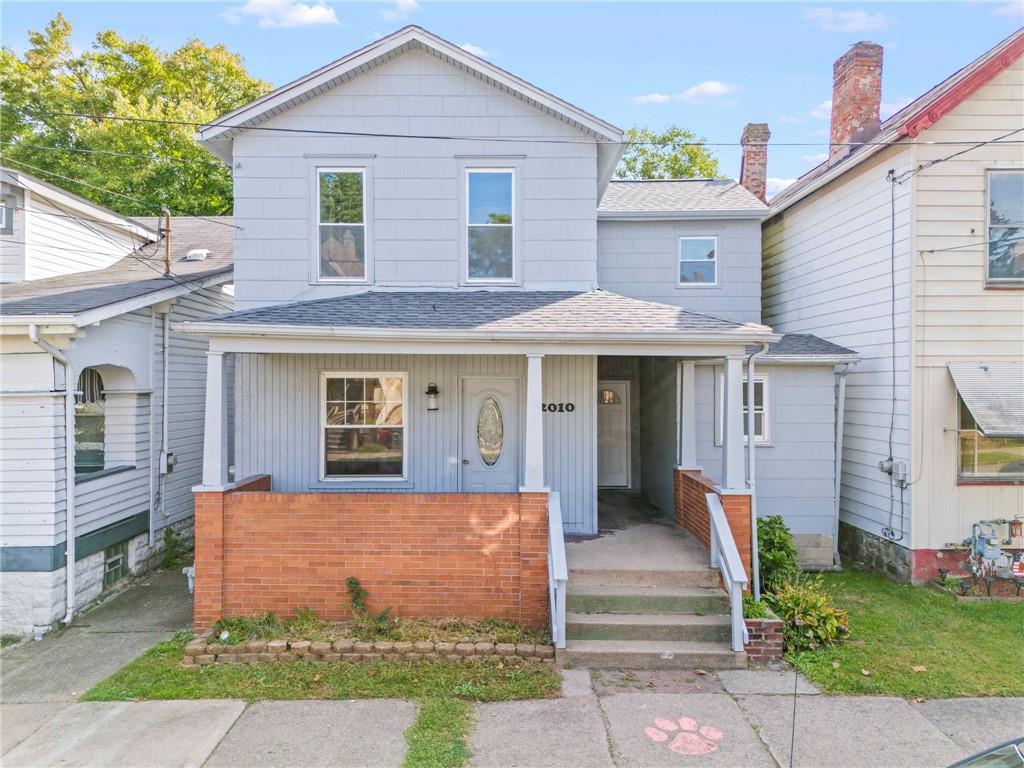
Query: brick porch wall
[473, 555]
[692, 511]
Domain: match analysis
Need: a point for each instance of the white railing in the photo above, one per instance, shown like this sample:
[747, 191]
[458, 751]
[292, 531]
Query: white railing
[558, 571]
[726, 558]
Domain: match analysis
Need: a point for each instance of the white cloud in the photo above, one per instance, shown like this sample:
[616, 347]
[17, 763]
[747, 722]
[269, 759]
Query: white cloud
[791, 119]
[818, 157]
[282, 14]
[831, 20]
[1014, 11]
[696, 94]
[402, 9]
[823, 111]
[476, 50]
[773, 186]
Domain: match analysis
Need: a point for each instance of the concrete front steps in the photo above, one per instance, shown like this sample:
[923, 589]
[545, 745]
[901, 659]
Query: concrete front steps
[648, 620]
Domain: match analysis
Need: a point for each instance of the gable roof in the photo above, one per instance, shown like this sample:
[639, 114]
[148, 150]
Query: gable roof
[138, 277]
[217, 135]
[917, 116]
[679, 198]
[66, 199]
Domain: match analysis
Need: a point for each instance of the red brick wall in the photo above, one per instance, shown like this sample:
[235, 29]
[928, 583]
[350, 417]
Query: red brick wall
[856, 96]
[766, 643]
[692, 511]
[473, 555]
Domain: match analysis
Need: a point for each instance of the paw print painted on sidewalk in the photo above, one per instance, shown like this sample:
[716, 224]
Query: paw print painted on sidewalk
[690, 737]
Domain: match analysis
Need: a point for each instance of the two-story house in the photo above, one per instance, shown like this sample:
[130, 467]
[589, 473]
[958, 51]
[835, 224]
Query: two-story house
[101, 396]
[907, 245]
[456, 335]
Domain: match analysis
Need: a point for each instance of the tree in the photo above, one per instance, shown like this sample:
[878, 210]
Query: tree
[136, 168]
[675, 153]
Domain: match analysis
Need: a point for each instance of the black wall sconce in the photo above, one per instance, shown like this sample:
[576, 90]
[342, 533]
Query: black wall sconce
[432, 394]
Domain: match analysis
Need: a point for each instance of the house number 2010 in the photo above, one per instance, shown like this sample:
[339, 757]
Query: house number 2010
[558, 407]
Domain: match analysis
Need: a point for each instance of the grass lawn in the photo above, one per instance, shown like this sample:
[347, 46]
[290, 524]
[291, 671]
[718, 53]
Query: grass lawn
[958, 649]
[436, 739]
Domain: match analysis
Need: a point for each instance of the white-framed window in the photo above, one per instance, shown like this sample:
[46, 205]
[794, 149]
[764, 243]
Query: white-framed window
[341, 239]
[981, 458]
[90, 423]
[490, 225]
[1005, 231]
[6, 220]
[762, 421]
[362, 425]
[698, 261]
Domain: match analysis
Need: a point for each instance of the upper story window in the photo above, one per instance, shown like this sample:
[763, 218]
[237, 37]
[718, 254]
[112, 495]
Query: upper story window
[90, 423]
[363, 426]
[698, 261]
[490, 225]
[341, 223]
[1005, 226]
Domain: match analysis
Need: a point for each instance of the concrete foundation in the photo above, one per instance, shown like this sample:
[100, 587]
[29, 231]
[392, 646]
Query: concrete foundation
[858, 547]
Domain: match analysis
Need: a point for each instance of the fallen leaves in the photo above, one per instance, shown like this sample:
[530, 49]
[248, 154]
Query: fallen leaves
[866, 672]
[835, 665]
[919, 668]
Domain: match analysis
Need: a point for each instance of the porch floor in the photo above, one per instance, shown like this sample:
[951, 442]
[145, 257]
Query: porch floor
[634, 536]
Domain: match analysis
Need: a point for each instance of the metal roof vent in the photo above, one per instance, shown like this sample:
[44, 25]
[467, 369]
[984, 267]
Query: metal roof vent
[197, 254]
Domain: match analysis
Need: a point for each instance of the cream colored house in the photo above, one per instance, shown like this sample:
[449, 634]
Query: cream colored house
[908, 245]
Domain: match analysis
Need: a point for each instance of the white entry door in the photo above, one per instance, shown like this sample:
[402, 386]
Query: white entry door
[490, 434]
[613, 434]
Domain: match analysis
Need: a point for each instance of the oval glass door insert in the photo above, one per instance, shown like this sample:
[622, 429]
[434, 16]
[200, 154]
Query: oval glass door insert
[490, 431]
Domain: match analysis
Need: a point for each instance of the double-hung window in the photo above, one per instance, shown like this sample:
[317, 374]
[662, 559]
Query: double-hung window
[1005, 227]
[983, 458]
[762, 433]
[341, 223]
[363, 425]
[490, 225]
[698, 260]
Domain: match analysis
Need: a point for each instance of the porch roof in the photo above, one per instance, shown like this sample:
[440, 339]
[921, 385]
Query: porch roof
[479, 315]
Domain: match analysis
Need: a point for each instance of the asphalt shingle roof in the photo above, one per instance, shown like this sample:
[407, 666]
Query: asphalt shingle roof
[549, 312]
[135, 275]
[805, 345]
[682, 195]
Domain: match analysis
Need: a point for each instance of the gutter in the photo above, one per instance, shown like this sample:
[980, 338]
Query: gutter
[755, 560]
[69, 466]
[841, 372]
[759, 214]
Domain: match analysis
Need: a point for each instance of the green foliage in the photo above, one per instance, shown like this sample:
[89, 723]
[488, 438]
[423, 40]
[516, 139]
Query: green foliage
[357, 595]
[437, 739]
[675, 153]
[7, 640]
[373, 626]
[174, 549]
[776, 554]
[193, 84]
[810, 619]
[265, 627]
[753, 609]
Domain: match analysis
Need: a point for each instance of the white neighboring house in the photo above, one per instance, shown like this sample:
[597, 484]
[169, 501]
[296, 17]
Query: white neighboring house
[91, 350]
[925, 278]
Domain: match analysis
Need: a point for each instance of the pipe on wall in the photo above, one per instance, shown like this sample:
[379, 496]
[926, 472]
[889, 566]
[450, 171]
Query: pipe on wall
[840, 371]
[755, 560]
[69, 465]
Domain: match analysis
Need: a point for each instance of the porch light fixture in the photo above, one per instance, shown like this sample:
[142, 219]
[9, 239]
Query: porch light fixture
[432, 393]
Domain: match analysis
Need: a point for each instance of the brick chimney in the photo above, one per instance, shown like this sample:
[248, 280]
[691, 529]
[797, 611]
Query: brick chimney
[754, 165]
[856, 97]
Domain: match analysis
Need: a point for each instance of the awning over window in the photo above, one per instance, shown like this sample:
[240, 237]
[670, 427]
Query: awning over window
[994, 394]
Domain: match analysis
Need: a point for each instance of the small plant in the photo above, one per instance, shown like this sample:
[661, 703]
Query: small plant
[776, 554]
[6, 640]
[809, 617]
[357, 595]
[174, 549]
[378, 626]
[950, 582]
[753, 609]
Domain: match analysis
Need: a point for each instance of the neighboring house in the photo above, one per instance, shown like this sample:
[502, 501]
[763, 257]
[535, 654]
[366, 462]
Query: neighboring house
[96, 354]
[908, 244]
[454, 328]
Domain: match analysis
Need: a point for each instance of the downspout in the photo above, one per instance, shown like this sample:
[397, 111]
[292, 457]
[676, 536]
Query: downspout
[840, 372]
[166, 409]
[149, 433]
[69, 466]
[755, 561]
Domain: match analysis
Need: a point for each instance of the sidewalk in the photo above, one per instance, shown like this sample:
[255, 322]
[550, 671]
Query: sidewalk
[731, 719]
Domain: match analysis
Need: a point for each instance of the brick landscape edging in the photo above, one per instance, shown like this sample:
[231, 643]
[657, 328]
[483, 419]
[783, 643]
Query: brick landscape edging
[203, 652]
[765, 643]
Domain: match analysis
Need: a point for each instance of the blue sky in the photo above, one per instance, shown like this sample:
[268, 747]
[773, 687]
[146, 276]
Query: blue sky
[708, 67]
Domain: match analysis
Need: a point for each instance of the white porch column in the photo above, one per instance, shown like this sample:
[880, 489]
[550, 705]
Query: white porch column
[688, 415]
[215, 437]
[733, 464]
[533, 476]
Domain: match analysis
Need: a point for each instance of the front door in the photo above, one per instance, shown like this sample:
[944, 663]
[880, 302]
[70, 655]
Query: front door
[490, 434]
[613, 434]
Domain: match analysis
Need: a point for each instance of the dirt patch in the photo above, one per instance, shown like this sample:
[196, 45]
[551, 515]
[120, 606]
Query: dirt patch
[607, 682]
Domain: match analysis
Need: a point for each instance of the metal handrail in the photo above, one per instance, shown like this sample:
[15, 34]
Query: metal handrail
[726, 557]
[558, 570]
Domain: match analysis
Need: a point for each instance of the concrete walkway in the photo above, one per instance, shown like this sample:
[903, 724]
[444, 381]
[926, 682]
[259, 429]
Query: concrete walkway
[737, 718]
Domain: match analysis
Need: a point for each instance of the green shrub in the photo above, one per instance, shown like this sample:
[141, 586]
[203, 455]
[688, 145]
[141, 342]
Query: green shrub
[752, 609]
[810, 620]
[174, 549]
[776, 554]
[376, 626]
